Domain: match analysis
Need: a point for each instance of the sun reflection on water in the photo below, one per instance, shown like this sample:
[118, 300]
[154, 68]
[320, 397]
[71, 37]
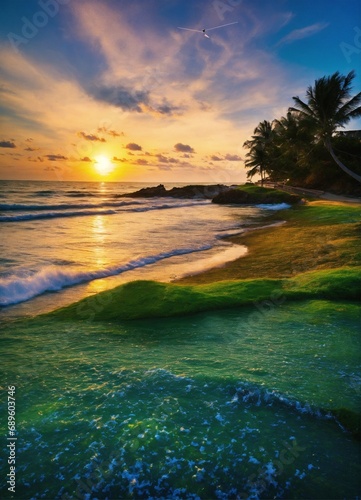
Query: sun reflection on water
[100, 254]
[99, 236]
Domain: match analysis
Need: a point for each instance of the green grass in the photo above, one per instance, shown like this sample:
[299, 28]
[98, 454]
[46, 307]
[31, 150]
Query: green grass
[150, 299]
[263, 191]
[249, 194]
[316, 254]
[319, 235]
[335, 284]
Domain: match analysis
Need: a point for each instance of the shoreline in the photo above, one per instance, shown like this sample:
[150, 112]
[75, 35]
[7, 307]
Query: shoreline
[304, 240]
[335, 279]
[322, 262]
[314, 253]
[298, 244]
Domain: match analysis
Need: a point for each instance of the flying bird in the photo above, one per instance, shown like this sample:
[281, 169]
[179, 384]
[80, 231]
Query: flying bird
[208, 29]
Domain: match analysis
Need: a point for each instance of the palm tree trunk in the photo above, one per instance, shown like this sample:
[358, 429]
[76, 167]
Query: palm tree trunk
[329, 148]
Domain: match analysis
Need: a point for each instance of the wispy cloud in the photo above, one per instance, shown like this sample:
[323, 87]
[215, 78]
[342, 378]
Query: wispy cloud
[120, 96]
[183, 148]
[113, 133]
[7, 144]
[138, 101]
[55, 157]
[226, 157]
[91, 137]
[305, 32]
[230, 157]
[132, 146]
[178, 95]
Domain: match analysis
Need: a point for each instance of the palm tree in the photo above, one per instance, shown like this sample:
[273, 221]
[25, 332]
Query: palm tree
[258, 157]
[256, 163]
[292, 140]
[329, 106]
[289, 130]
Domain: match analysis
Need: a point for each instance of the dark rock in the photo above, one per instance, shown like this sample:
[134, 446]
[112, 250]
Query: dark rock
[197, 191]
[150, 192]
[186, 192]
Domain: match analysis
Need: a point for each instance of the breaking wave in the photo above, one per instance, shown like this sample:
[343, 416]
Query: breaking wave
[7, 207]
[16, 289]
[274, 206]
[54, 215]
[83, 209]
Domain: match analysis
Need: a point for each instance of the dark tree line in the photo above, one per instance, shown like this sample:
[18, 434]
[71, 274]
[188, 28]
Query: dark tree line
[305, 148]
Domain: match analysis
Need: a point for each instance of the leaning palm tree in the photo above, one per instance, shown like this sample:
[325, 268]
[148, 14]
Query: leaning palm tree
[329, 106]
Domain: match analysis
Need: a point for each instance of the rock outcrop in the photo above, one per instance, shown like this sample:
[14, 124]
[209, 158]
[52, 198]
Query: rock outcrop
[218, 193]
[185, 192]
[149, 192]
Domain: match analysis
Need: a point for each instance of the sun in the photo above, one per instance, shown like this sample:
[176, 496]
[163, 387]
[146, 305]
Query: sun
[103, 165]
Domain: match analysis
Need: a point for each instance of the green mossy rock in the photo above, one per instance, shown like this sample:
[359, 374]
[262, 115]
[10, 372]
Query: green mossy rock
[250, 195]
[150, 299]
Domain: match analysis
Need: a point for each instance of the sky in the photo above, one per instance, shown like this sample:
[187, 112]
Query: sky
[113, 90]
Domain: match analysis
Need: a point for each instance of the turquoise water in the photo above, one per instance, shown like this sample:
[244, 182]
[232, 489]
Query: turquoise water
[221, 405]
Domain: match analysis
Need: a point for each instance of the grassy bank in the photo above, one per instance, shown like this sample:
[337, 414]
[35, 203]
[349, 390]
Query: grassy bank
[150, 299]
[318, 236]
[255, 194]
[315, 254]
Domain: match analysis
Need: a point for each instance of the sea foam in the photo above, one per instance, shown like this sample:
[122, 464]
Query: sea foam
[54, 215]
[16, 289]
[84, 209]
[274, 206]
[10, 207]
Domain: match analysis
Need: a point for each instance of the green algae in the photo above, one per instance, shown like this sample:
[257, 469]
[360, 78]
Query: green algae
[334, 222]
[150, 299]
[318, 235]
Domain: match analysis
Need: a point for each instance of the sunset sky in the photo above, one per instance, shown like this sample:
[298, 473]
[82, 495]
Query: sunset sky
[113, 90]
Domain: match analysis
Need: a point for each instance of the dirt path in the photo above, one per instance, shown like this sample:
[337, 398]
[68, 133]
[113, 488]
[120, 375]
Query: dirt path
[335, 197]
[323, 195]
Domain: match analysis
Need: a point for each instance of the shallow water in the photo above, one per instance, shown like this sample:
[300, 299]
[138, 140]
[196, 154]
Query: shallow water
[230, 404]
[76, 239]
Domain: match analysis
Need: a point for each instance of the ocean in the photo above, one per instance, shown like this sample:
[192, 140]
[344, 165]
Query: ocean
[220, 405]
[81, 238]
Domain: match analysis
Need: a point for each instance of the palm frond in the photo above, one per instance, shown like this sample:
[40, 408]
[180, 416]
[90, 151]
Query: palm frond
[351, 106]
[301, 107]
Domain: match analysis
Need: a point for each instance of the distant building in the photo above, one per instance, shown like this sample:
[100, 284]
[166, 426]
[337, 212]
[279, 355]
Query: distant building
[350, 133]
